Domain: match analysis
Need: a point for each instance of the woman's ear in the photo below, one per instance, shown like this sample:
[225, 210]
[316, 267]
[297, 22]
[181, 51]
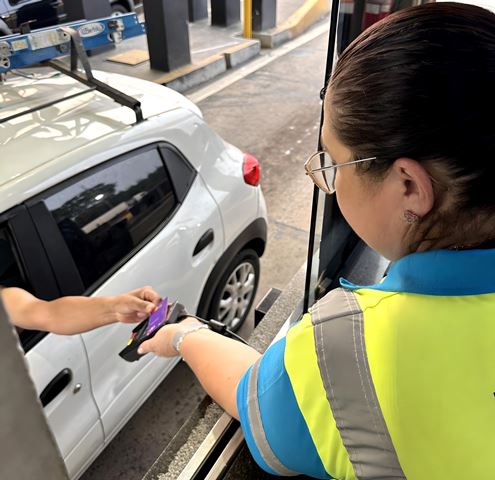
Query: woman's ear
[417, 191]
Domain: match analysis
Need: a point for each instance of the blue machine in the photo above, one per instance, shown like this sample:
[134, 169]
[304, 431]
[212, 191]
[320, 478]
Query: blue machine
[27, 49]
[46, 45]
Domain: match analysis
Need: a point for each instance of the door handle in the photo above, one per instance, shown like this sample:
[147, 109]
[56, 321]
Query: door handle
[204, 241]
[56, 386]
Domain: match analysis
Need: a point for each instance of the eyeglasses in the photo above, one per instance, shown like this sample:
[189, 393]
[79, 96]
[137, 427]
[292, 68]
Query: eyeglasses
[321, 168]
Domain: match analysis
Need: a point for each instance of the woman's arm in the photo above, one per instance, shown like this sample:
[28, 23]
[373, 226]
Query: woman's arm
[218, 362]
[71, 315]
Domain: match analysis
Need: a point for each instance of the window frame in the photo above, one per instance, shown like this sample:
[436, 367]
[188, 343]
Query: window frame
[33, 262]
[59, 255]
[333, 246]
[325, 211]
[31, 254]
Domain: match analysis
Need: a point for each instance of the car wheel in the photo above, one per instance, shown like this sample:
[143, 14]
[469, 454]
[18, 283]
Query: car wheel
[119, 9]
[236, 289]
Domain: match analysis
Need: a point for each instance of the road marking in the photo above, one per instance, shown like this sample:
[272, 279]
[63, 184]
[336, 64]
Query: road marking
[215, 47]
[230, 78]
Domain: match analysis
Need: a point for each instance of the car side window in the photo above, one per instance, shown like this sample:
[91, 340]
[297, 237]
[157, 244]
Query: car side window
[11, 272]
[107, 213]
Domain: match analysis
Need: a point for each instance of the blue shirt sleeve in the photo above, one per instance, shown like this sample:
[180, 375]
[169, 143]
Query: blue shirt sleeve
[282, 423]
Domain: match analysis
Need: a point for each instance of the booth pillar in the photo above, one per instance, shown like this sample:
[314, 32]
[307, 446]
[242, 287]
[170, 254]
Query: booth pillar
[264, 15]
[86, 9]
[168, 33]
[225, 12]
[198, 10]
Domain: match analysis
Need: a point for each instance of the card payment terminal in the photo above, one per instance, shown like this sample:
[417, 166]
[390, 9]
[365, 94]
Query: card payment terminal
[165, 313]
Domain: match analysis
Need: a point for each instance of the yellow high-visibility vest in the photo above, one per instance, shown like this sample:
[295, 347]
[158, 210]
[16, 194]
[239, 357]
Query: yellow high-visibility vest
[392, 381]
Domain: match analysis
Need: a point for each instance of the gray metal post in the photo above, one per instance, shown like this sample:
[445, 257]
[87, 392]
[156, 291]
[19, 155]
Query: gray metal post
[168, 33]
[88, 9]
[28, 447]
[264, 15]
[198, 10]
[225, 12]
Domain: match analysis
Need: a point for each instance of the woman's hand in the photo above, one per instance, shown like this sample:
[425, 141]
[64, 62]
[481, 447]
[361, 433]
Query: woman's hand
[217, 361]
[134, 306]
[161, 343]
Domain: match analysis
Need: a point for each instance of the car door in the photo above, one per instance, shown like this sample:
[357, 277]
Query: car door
[135, 220]
[57, 364]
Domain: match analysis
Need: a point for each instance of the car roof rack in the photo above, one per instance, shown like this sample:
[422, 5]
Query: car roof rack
[44, 46]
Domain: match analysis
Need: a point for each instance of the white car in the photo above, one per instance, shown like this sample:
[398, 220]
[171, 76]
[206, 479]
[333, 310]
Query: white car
[93, 203]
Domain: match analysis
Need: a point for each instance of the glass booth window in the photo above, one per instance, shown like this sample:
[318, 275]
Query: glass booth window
[103, 216]
[333, 244]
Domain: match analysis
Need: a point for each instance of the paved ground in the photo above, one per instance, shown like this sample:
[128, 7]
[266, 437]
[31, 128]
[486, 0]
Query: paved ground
[205, 40]
[273, 114]
[286, 8]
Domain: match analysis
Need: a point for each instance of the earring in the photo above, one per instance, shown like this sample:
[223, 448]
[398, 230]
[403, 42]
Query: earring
[410, 217]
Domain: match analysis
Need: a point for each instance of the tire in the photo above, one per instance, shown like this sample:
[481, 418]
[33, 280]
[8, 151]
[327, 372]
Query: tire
[119, 9]
[235, 291]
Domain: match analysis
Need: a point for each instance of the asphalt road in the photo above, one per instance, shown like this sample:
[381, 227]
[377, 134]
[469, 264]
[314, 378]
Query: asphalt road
[273, 114]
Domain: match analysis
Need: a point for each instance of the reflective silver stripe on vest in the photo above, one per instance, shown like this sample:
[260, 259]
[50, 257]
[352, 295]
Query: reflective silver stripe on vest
[341, 351]
[257, 430]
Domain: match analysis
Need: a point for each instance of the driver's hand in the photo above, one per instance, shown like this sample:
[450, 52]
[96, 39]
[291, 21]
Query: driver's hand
[135, 306]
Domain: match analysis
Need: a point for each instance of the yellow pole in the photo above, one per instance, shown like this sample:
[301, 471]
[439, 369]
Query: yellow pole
[248, 18]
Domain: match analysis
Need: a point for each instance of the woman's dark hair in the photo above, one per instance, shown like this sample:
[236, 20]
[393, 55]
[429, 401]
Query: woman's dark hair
[421, 84]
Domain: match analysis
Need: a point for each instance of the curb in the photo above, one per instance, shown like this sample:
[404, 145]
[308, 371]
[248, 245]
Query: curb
[242, 53]
[192, 75]
[297, 23]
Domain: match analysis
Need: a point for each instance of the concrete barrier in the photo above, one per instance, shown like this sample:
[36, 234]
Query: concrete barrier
[297, 23]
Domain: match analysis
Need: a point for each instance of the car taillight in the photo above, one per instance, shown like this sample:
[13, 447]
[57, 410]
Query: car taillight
[251, 170]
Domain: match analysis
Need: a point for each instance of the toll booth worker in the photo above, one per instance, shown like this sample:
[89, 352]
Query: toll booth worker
[71, 315]
[394, 380]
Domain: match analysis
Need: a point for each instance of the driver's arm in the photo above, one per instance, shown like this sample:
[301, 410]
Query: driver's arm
[71, 315]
